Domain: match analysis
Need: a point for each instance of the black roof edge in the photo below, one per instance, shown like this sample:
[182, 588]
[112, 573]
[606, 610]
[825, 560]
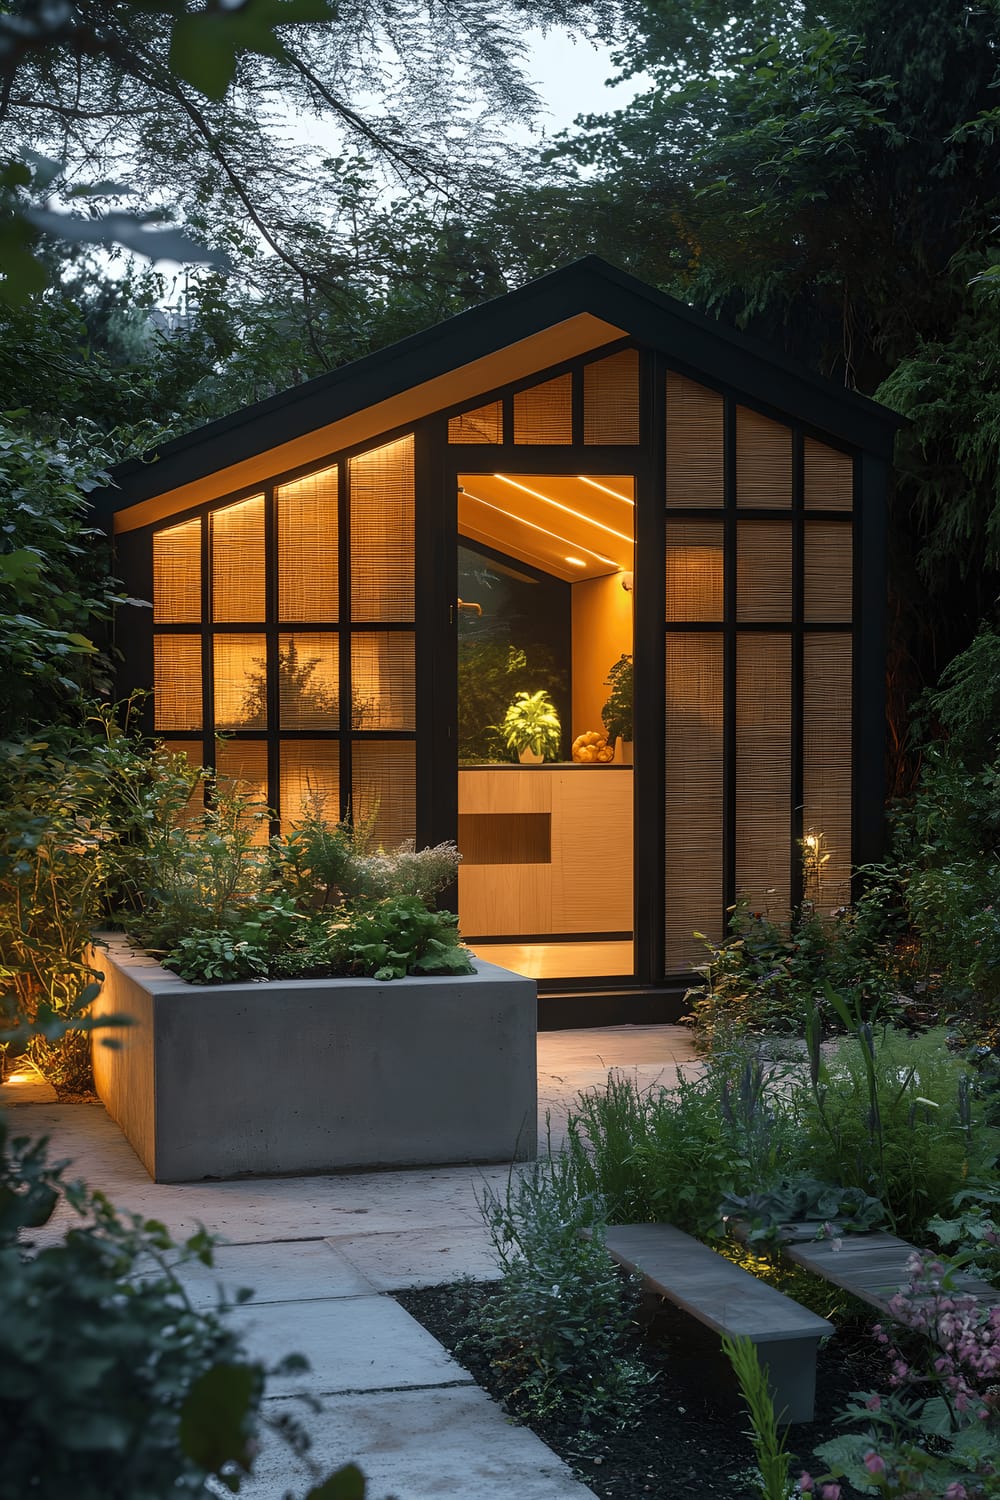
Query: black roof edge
[589, 284]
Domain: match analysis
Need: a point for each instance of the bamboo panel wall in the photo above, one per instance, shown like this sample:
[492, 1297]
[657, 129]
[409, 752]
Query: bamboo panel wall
[829, 477]
[238, 575]
[763, 772]
[695, 449]
[611, 399]
[826, 771]
[177, 574]
[543, 414]
[693, 775]
[763, 461]
[308, 552]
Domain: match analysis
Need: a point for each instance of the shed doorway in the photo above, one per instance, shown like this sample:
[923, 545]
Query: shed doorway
[545, 604]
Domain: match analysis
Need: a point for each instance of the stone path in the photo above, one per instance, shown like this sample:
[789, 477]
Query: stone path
[323, 1253]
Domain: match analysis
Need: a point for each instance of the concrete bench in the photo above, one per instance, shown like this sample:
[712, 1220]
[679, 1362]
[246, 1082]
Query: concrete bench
[729, 1300]
[872, 1267]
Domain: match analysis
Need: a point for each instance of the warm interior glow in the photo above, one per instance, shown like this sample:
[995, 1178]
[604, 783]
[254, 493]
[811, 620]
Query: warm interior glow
[596, 485]
[577, 514]
[522, 521]
[543, 519]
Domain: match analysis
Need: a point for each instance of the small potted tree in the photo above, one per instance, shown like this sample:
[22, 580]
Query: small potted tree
[531, 728]
[617, 711]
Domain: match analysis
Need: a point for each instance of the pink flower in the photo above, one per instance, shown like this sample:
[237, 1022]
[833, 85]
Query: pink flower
[831, 1492]
[873, 1463]
[805, 1482]
[874, 1403]
[956, 1491]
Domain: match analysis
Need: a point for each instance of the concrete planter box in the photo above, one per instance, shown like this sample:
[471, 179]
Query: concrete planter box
[315, 1075]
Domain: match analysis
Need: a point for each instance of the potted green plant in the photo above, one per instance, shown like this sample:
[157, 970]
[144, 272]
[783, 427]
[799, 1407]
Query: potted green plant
[617, 711]
[531, 727]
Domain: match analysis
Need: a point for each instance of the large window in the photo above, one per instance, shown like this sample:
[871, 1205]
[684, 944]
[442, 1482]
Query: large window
[284, 623]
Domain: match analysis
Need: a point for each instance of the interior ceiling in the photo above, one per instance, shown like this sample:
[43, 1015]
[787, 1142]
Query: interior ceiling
[547, 519]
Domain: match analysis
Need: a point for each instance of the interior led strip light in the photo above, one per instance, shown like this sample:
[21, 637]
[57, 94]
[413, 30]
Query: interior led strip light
[565, 540]
[578, 514]
[606, 488]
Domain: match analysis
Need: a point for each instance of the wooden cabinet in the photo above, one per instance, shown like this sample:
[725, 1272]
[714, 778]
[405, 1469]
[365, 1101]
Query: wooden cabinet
[546, 850]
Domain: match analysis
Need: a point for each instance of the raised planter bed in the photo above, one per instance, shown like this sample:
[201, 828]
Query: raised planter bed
[315, 1075]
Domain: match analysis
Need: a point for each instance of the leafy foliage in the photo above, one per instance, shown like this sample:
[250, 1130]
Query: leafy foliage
[802, 1207]
[555, 1326]
[112, 1383]
[69, 804]
[932, 1434]
[532, 723]
[488, 673]
[773, 1460]
[654, 1154]
[767, 976]
[617, 711]
[53, 585]
[892, 1115]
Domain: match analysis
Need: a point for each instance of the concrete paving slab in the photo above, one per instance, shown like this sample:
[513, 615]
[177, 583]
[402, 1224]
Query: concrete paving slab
[614, 1047]
[276, 1272]
[351, 1343]
[422, 1257]
[253, 1209]
[422, 1445]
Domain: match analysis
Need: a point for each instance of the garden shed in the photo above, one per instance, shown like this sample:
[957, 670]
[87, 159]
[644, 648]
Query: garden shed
[351, 580]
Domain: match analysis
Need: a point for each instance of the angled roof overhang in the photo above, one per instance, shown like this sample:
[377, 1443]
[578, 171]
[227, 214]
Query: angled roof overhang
[572, 311]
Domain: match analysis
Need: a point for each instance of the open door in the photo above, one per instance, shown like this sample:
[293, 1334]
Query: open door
[544, 589]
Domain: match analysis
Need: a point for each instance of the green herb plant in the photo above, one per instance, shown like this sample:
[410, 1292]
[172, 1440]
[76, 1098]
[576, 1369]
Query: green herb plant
[532, 723]
[654, 1154]
[617, 711]
[399, 936]
[555, 1327]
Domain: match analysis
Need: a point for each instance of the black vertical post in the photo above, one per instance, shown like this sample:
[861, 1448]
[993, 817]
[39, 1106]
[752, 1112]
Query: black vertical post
[344, 637]
[649, 672]
[436, 636]
[729, 542]
[870, 642]
[133, 626]
[207, 643]
[271, 653]
[798, 666]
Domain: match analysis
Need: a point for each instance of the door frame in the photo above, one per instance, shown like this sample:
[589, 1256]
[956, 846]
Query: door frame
[438, 466]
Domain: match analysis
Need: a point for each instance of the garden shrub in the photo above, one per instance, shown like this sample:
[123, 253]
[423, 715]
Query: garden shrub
[933, 1434]
[112, 1385]
[68, 807]
[378, 940]
[222, 905]
[555, 1325]
[893, 1115]
[674, 1154]
[765, 975]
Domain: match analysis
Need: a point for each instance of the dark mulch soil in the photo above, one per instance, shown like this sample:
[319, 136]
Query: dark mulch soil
[692, 1439]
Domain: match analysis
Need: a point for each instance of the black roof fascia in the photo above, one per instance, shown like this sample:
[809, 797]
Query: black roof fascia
[589, 285]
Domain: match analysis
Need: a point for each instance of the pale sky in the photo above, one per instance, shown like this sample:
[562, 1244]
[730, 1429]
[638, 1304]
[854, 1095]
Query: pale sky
[569, 73]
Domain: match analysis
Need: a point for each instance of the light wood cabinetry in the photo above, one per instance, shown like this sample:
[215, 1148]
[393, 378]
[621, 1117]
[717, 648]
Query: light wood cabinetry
[580, 875]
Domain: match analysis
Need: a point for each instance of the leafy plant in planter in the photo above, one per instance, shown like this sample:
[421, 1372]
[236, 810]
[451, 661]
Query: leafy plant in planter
[532, 723]
[617, 711]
